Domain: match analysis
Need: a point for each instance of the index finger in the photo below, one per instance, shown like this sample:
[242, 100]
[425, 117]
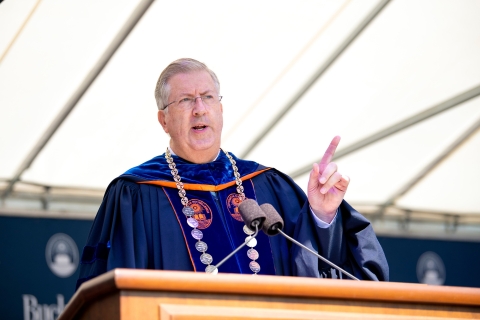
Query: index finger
[328, 156]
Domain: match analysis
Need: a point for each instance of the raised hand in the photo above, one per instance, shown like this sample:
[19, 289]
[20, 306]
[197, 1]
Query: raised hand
[326, 186]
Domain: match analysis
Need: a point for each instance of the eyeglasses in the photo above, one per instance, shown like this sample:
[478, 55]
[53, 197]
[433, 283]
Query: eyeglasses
[188, 103]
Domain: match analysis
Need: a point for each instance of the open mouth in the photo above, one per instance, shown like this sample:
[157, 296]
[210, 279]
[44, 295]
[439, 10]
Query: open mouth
[199, 128]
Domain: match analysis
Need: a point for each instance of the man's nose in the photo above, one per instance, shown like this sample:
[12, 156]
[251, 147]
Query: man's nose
[199, 106]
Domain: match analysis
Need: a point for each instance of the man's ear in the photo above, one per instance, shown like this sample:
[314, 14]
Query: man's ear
[162, 120]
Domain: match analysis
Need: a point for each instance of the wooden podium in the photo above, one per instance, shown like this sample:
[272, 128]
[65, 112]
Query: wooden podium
[148, 294]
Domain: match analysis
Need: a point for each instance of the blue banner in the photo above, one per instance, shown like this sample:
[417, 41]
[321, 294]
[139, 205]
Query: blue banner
[437, 262]
[39, 264]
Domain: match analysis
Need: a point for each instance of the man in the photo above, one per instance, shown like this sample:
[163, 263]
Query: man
[178, 211]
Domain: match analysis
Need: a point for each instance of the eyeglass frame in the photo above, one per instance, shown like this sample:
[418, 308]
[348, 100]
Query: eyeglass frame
[194, 99]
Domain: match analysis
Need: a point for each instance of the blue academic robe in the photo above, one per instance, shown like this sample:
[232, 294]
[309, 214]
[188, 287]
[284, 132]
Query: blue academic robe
[140, 224]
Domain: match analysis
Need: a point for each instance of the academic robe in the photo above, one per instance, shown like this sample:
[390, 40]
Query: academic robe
[140, 224]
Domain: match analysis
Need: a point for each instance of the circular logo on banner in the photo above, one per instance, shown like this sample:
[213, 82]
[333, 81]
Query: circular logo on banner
[233, 201]
[202, 213]
[61, 254]
[430, 269]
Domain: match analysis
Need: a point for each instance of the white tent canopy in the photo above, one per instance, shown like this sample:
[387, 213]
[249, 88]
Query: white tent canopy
[398, 80]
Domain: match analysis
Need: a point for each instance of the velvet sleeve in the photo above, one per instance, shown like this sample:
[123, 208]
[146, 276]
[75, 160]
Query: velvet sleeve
[349, 242]
[117, 237]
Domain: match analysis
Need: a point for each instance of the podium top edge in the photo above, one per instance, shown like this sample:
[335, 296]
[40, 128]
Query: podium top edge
[183, 281]
[280, 286]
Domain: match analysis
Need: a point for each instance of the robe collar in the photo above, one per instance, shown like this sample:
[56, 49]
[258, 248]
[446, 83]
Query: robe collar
[216, 174]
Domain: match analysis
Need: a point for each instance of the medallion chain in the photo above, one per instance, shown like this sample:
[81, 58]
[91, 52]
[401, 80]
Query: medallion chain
[197, 234]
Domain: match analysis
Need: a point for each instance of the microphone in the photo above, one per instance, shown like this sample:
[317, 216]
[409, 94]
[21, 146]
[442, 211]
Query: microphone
[252, 214]
[254, 218]
[273, 225]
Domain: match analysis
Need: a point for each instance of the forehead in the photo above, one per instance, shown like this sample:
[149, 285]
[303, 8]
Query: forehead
[195, 82]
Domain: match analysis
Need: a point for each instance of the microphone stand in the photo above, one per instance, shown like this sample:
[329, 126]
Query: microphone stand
[255, 223]
[316, 254]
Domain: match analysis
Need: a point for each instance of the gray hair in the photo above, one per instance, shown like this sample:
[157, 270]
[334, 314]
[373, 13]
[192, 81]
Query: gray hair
[184, 65]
